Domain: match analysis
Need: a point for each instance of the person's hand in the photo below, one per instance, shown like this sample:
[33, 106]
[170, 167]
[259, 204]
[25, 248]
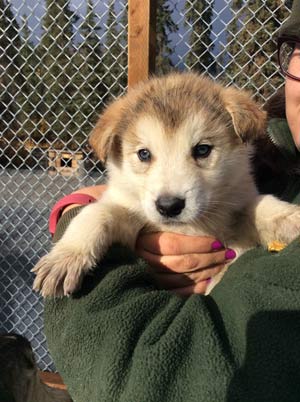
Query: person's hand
[183, 264]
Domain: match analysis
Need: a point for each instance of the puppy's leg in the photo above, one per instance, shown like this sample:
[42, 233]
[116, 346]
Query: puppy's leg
[84, 243]
[265, 220]
[273, 219]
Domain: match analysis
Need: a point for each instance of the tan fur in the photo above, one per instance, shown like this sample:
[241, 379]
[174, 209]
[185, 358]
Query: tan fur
[103, 144]
[169, 116]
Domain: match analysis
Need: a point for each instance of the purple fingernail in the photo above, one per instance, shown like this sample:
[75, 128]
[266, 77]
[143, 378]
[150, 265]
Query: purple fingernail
[217, 245]
[230, 254]
[208, 280]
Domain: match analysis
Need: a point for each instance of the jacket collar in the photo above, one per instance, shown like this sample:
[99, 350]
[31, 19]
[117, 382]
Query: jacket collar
[279, 133]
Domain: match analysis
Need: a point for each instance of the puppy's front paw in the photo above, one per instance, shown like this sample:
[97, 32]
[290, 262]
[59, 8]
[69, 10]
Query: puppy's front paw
[60, 273]
[287, 227]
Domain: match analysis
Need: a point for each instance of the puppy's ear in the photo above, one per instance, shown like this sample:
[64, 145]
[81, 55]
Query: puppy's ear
[104, 137]
[249, 121]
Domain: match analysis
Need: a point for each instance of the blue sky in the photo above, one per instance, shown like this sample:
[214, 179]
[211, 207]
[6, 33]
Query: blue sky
[35, 9]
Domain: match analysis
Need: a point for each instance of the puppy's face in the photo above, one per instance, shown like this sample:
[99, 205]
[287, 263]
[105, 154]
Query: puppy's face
[176, 143]
[178, 171]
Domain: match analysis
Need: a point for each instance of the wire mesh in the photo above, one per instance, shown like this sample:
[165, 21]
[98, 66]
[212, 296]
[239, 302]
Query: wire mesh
[233, 41]
[60, 63]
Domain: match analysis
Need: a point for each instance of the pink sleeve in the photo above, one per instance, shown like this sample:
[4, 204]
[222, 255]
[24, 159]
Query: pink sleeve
[58, 208]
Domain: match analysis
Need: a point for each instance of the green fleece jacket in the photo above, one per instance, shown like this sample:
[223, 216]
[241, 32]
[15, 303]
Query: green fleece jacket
[120, 339]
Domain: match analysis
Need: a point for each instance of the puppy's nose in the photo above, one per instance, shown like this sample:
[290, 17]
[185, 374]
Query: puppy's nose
[169, 206]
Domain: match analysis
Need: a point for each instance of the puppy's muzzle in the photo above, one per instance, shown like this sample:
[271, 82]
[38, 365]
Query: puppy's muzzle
[169, 206]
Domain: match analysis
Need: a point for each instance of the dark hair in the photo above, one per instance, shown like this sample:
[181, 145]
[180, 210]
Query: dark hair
[291, 27]
[275, 106]
[268, 161]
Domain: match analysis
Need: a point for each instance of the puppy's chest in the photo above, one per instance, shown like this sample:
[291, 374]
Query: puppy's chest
[190, 230]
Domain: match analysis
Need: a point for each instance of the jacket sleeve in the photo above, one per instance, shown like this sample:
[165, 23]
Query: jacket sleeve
[121, 339]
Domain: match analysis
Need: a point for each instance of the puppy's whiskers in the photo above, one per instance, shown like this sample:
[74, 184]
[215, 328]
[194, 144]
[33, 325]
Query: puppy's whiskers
[205, 220]
[223, 203]
[218, 213]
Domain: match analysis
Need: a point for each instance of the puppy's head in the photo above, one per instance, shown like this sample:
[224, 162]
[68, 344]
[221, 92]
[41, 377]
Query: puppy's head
[178, 144]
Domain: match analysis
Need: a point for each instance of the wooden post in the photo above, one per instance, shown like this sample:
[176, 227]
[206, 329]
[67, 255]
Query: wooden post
[141, 39]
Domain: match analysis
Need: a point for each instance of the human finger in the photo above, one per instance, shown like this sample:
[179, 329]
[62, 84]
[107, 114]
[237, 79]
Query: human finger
[167, 243]
[171, 280]
[198, 288]
[186, 262]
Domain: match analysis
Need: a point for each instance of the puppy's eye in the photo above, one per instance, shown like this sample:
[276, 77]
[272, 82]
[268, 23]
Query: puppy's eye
[201, 151]
[144, 155]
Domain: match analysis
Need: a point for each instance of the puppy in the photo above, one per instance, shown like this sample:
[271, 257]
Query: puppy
[178, 154]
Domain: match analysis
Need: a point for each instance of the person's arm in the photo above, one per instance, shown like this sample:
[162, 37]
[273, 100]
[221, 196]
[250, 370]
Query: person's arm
[93, 191]
[122, 339]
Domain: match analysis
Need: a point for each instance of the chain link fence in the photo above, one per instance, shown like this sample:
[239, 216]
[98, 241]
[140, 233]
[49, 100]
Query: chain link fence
[233, 41]
[60, 63]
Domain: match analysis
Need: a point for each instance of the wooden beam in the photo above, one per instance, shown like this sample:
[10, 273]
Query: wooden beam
[141, 40]
[53, 380]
